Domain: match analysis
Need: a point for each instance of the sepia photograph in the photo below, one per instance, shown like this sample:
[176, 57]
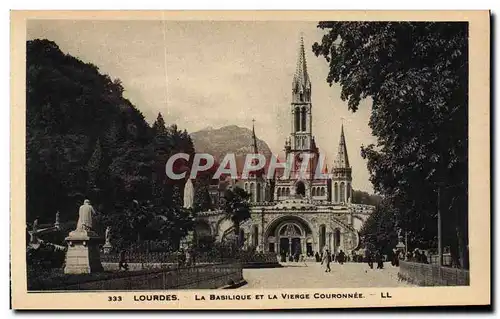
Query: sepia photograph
[164, 155]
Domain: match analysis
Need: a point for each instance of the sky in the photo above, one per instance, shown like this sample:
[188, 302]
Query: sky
[201, 74]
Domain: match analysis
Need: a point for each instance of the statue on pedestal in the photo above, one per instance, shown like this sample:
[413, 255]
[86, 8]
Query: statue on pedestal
[57, 223]
[400, 246]
[83, 244]
[107, 241]
[188, 194]
[85, 214]
[107, 235]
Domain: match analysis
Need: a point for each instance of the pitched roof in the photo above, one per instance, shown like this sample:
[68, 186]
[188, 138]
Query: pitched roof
[301, 81]
[342, 160]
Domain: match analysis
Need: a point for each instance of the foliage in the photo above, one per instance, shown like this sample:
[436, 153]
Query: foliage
[45, 257]
[415, 74]
[236, 207]
[202, 200]
[360, 197]
[379, 230]
[85, 140]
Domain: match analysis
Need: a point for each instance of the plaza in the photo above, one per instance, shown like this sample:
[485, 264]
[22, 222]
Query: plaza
[312, 275]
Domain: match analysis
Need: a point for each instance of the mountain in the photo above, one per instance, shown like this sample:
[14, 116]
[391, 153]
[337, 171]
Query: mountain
[228, 139]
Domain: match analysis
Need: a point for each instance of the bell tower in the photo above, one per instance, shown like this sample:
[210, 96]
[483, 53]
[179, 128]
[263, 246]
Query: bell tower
[301, 139]
[342, 174]
[301, 124]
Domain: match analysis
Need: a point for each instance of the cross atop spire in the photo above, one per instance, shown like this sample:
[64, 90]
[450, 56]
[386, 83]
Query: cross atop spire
[301, 81]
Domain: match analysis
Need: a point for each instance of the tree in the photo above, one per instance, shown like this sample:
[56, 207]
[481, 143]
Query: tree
[159, 125]
[379, 230]
[415, 74]
[202, 200]
[360, 197]
[237, 208]
[85, 140]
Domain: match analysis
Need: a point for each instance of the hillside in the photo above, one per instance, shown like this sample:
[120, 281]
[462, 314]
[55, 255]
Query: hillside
[228, 139]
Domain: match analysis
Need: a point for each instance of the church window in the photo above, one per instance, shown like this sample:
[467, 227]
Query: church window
[322, 191]
[303, 118]
[258, 193]
[300, 189]
[255, 235]
[336, 192]
[290, 230]
[287, 192]
[297, 119]
[322, 237]
[342, 192]
[242, 236]
[252, 191]
[337, 237]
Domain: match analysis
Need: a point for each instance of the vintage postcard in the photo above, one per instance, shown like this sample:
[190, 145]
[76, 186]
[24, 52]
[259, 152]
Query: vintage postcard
[250, 160]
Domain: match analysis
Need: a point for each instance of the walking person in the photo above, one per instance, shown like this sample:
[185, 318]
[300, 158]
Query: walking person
[380, 262]
[369, 259]
[303, 259]
[341, 257]
[327, 259]
[123, 262]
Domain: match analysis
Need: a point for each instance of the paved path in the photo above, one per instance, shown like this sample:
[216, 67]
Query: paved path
[312, 275]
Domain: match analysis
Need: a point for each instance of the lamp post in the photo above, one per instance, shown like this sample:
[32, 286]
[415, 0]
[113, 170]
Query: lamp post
[406, 243]
[440, 235]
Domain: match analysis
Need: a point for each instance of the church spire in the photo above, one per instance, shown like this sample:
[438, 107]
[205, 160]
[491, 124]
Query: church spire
[342, 158]
[254, 138]
[258, 173]
[301, 86]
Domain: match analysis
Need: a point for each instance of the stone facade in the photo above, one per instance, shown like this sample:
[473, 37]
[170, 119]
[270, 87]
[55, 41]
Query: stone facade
[294, 213]
[294, 225]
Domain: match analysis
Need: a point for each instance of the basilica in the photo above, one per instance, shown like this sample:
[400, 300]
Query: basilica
[296, 213]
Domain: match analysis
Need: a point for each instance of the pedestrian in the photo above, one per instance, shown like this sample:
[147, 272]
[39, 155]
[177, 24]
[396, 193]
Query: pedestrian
[122, 262]
[303, 259]
[317, 257]
[327, 259]
[395, 259]
[424, 258]
[369, 259]
[401, 256]
[341, 257]
[380, 262]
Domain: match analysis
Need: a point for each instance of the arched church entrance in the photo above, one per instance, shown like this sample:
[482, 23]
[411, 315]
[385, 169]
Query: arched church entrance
[289, 236]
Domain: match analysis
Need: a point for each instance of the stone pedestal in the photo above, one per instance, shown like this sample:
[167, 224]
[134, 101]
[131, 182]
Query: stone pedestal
[82, 256]
[107, 248]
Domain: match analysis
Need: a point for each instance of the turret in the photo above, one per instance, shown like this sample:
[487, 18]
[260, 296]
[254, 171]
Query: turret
[341, 173]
